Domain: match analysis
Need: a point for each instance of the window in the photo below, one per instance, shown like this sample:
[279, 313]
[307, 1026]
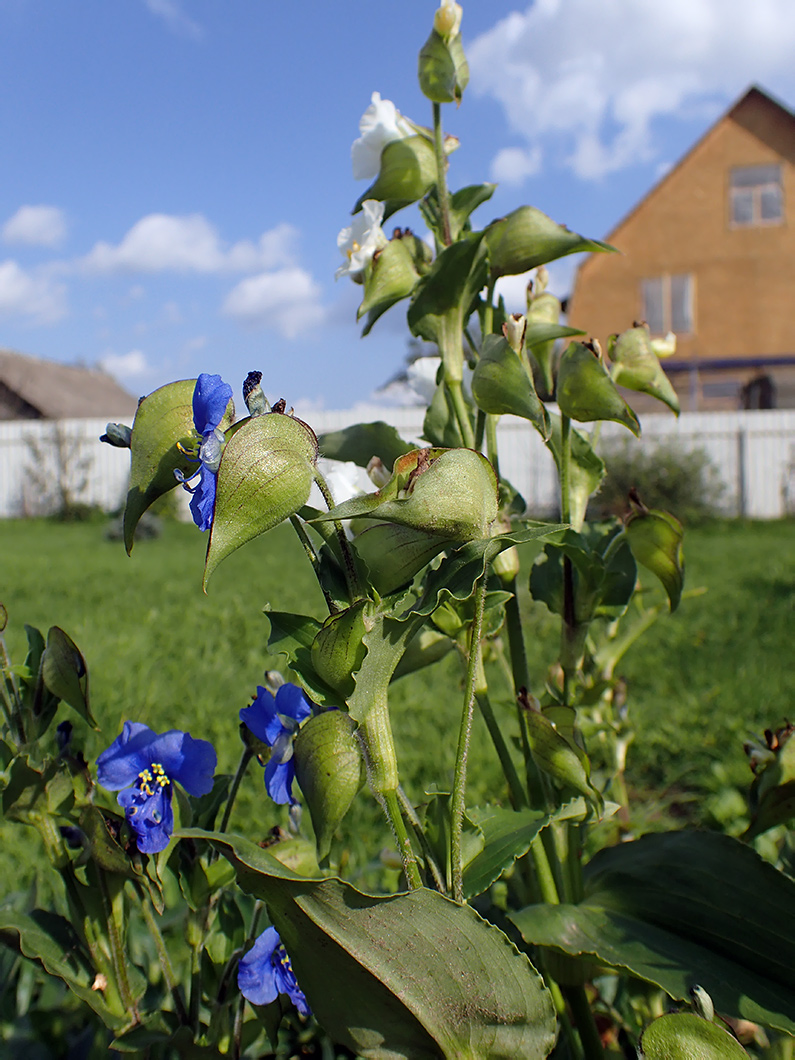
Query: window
[755, 196]
[668, 304]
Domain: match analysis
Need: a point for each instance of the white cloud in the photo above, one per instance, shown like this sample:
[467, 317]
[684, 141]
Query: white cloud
[160, 242]
[586, 80]
[126, 366]
[38, 226]
[175, 18]
[31, 295]
[287, 300]
[513, 165]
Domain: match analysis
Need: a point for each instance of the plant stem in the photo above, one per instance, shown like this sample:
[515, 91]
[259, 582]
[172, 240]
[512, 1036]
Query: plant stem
[11, 692]
[461, 412]
[584, 1021]
[245, 758]
[313, 558]
[488, 311]
[165, 961]
[410, 866]
[430, 861]
[491, 443]
[349, 563]
[565, 469]
[518, 798]
[458, 801]
[441, 174]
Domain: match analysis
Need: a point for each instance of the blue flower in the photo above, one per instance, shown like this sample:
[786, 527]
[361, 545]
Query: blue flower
[211, 396]
[145, 765]
[275, 722]
[265, 972]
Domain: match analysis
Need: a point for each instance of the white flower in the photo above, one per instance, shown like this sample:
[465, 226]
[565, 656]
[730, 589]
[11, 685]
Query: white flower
[447, 20]
[665, 347]
[381, 123]
[361, 240]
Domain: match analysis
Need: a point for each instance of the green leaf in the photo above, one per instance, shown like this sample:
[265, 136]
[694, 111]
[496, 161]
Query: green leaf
[527, 238]
[464, 202]
[655, 538]
[773, 792]
[394, 554]
[686, 1036]
[330, 771]
[407, 976]
[682, 908]
[51, 942]
[65, 673]
[508, 835]
[266, 474]
[585, 391]
[360, 443]
[440, 426]
[292, 635]
[501, 385]
[445, 298]
[586, 469]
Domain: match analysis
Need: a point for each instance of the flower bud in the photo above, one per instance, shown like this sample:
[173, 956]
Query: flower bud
[447, 20]
[513, 329]
[118, 435]
[664, 347]
[256, 402]
[378, 472]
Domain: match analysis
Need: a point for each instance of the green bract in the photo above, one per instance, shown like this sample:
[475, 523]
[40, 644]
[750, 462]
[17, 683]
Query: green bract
[408, 171]
[585, 391]
[163, 422]
[443, 68]
[655, 538]
[265, 475]
[635, 366]
[527, 237]
[449, 492]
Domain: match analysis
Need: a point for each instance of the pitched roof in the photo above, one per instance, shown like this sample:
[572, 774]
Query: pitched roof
[739, 112]
[33, 388]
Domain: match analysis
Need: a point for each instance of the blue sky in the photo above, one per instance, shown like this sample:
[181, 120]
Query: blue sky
[175, 172]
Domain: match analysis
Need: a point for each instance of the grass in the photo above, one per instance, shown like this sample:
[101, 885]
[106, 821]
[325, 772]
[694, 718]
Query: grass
[162, 652]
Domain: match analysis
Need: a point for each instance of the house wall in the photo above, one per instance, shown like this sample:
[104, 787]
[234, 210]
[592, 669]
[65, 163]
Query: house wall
[743, 276]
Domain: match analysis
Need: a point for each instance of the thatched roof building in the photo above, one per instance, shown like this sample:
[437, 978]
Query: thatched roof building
[34, 389]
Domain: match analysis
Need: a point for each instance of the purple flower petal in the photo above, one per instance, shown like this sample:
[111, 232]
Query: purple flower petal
[126, 757]
[202, 504]
[292, 702]
[211, 396]
[151, 817]
[262, 717]
[279, 781]
[265, 972]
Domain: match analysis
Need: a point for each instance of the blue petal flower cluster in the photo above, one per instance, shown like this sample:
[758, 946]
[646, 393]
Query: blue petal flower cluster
[265, 972]
[275, 721]
[142, 766]
[211, 396]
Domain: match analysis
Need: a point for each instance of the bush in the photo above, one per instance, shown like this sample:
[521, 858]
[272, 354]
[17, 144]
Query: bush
[681, 481]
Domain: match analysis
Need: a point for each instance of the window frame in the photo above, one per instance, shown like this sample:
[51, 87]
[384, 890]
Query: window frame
[665, 280]
[755, 193]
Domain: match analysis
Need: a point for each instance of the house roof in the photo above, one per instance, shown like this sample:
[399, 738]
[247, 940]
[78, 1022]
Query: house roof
[42, 389]
[752, 98]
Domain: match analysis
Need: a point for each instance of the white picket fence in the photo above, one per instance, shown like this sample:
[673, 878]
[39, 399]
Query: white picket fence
[753, 452]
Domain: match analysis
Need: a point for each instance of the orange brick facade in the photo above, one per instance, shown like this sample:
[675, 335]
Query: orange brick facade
[742, 276]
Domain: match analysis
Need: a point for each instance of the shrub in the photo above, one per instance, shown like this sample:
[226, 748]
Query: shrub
[678, 480]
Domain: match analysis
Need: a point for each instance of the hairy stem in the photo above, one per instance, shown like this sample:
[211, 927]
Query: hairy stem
[441, 174]
[165, 961]
[458, 801]
[313, 558]
[348, 561]
[518, 798]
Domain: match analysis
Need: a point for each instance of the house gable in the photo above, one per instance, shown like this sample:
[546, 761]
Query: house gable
[31, 388]
[739, 275]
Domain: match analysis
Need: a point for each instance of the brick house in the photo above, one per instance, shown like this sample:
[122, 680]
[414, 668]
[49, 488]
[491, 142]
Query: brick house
[709, 254]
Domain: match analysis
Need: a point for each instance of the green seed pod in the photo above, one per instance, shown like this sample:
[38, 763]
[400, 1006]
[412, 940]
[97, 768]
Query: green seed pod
[586, 392]
[329, 770]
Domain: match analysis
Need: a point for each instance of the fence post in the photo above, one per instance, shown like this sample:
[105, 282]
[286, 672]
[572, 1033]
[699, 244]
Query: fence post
[742, 471]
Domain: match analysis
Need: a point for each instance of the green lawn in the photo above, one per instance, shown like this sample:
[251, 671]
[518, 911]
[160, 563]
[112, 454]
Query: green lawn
[162, 652]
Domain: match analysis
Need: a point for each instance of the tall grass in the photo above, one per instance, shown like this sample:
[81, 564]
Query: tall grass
[162, 652]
